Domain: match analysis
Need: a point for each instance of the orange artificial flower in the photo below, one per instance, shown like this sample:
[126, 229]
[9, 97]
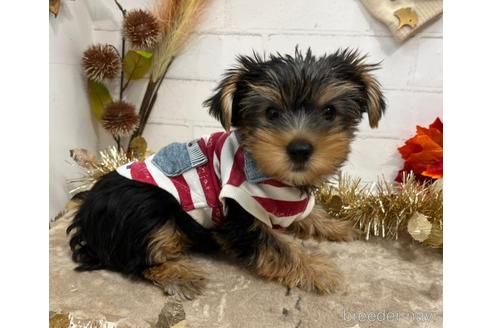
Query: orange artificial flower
[423, 153]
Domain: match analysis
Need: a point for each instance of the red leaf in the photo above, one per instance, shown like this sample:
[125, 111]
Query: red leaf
[423, 153]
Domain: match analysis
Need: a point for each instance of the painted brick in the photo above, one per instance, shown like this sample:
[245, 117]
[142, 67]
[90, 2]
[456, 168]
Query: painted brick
[315, 15]
[182, 100]
[207, 56]
[70, 34]
[199, 131]
[161, 134]
[398, 60]
[111, 37]
[428, 71]
[213, 17]
[373, 158]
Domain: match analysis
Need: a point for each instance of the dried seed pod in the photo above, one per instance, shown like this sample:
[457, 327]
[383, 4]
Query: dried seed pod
[101, 61]
[120, 119]
[141, 29]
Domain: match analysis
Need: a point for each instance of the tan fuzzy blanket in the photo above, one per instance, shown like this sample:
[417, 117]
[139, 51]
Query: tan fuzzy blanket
[389, 284]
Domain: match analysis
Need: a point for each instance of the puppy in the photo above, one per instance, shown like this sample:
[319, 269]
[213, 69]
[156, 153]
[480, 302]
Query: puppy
[289, 121]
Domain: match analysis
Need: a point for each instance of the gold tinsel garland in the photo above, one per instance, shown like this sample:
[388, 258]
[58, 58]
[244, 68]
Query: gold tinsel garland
[379, 209]
[93, 168]
[387, 210]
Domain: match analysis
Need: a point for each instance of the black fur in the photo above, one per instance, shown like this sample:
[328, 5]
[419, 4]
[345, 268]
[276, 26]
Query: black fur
[114, 223]
[238, 235]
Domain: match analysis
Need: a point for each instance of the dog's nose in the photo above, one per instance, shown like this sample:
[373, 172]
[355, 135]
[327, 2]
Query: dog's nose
[299, 150]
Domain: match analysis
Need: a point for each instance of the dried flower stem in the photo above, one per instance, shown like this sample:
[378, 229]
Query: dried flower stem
[149, 100]
[122, 77]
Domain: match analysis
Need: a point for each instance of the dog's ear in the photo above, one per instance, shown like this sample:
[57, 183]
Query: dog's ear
[224, 103]
[375, 103]
[220, 105]
[353, 66]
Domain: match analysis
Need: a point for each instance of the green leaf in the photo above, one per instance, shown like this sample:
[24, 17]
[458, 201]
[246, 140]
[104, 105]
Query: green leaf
[144, 53]
[136, 64]
[99, 97]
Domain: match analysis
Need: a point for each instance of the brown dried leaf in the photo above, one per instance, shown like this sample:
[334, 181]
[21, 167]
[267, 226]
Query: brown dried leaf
[60, 320]
[138, 148]
[55, 7]
[83, 157]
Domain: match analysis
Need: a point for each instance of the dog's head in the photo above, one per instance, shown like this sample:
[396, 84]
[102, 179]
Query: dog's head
[297, 115]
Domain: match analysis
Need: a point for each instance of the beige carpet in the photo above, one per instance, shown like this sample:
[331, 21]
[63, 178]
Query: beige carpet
[391, 284]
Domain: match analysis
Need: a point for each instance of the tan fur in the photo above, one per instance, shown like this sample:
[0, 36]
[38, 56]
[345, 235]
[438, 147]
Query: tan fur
[269, 93]
[177, 277]
[288, 263]
[172, 272]
[333, 91]
[374, 107]
[269, 152]
[226, 99]
[320, 226]
[166, 243]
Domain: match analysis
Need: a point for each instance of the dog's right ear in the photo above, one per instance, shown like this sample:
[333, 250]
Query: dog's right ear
[221, 104]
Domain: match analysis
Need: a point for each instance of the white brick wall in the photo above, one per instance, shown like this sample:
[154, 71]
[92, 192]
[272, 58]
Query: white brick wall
[71, 124]
[411, 75]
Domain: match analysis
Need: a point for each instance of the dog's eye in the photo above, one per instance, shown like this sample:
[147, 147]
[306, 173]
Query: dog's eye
[329, 113]
[272, 113]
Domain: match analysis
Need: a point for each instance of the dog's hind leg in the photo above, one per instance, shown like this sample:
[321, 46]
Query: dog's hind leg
[172, 271]
[177, 277]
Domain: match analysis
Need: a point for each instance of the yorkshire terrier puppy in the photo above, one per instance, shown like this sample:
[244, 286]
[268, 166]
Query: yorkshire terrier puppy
[289, 121]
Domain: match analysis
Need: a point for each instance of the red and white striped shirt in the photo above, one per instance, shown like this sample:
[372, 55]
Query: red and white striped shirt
[215, 168]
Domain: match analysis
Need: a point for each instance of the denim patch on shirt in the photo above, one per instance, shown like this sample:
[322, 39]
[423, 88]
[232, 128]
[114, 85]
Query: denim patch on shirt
[177, 158]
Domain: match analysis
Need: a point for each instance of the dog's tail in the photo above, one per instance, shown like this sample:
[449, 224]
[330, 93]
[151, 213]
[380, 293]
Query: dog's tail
[114, 222]
[81, 253]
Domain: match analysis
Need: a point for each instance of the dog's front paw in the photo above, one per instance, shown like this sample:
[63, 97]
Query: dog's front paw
[320, 276]
[338, 230]
[321, 226]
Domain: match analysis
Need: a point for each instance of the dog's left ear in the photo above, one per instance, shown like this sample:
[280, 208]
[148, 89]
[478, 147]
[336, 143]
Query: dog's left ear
[375, 103]
[353, 66]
